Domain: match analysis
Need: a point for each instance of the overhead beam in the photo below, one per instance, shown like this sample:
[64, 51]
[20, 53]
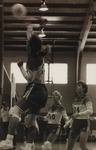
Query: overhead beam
[83, 37]
[86, 27]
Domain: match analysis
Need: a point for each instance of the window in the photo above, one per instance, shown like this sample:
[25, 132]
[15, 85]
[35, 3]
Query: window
[17, 73]
[91, 73]
[56, 73]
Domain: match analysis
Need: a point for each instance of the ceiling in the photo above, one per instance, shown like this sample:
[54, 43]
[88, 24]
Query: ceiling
[70, 25]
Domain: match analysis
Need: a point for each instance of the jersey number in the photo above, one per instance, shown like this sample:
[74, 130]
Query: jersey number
[76, 109]
[52, 116]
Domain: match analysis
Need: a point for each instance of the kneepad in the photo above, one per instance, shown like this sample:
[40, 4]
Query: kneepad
[15, 112]
[48, 145]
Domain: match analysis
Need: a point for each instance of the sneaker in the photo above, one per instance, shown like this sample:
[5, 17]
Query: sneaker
[43, 147]
[29, 146]
[5, 144]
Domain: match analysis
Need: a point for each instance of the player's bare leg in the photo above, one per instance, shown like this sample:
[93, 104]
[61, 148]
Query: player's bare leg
[14, 120]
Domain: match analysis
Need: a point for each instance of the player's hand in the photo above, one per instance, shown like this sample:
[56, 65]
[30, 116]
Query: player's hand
[48, 49]
[75, 115]
[68, 123]
[41, 117]
[20, 64]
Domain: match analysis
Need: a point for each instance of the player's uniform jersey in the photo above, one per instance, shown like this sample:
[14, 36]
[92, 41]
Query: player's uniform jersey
[55, 114]
[35, 94]
[82, 106]
[36, 76]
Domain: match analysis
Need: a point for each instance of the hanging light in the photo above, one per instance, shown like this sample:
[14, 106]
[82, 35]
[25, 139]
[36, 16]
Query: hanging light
[43, 7]
[42, 34]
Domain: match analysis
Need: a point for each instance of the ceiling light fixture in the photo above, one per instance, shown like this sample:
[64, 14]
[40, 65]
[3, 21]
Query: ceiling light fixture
[43, 7]
[42, 34]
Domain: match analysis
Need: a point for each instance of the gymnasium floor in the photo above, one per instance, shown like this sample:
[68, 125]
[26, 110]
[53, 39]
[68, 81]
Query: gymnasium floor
[61, 146]
[90, 145]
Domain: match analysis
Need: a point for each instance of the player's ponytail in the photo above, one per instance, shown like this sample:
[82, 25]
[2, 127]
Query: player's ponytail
[34, 45]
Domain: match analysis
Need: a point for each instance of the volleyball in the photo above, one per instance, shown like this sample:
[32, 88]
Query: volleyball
[19, 10]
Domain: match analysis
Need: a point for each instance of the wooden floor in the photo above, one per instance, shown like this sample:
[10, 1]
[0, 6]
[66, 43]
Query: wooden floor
[56, 146]
[61, 146]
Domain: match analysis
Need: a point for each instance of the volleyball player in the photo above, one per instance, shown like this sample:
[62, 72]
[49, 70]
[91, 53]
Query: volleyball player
[35, 95]
[82, 109]
[53, 118]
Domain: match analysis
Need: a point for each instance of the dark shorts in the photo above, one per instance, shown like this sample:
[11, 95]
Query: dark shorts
[78, 126]
[52, 128]
[34, 98]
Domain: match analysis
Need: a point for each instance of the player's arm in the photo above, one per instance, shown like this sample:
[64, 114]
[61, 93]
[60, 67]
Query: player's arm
[29, 31]
[89, 109]
[65, 116]
[28, 75]
[46, 117]
[68, 123]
